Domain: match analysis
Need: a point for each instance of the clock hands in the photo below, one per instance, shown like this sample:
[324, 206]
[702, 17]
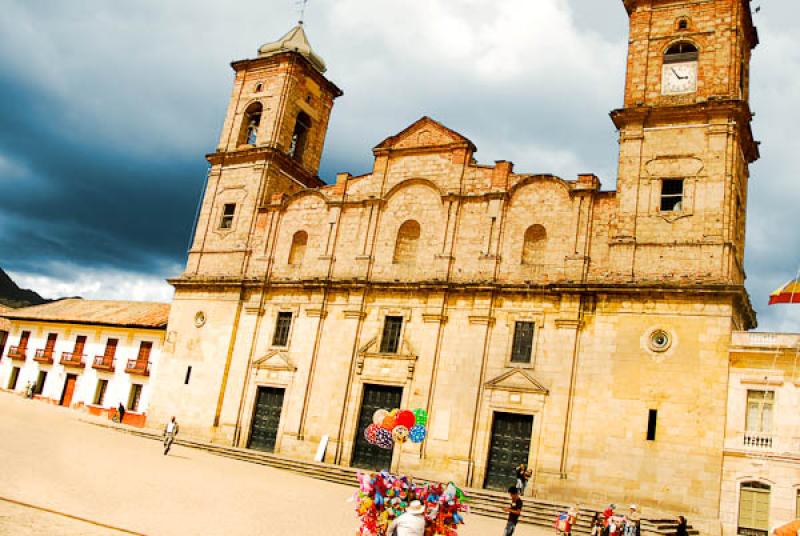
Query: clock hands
[679, 76]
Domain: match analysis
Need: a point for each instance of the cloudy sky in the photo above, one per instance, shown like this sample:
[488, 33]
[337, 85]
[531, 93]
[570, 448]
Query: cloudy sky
[107, 108]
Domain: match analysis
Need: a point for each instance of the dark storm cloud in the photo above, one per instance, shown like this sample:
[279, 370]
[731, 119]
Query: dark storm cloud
[106, 111]
[87, 202]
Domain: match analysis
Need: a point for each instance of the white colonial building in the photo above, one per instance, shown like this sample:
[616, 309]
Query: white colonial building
[86, 354]
[761, 461]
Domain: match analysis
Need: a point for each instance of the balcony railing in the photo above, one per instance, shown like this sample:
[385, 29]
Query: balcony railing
[135, 366]
[19, 353]
[71, 359]
[43, 355]
[103, 362]
[757, 440]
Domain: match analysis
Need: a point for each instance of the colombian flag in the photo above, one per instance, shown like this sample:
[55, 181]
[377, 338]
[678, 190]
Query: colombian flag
[788, 293]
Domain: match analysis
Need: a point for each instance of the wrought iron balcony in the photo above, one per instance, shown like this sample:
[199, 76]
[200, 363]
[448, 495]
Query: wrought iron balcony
[19, 353]
[758, 440]
[71, 359]
[43, 355]
[103, 362]
[135, 366]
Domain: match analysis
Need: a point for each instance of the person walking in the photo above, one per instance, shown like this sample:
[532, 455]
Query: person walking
[170, 431]
[29, 390]
[411, 523]
[632, 521]
[681, 529]
[514, 511]
[120, 412]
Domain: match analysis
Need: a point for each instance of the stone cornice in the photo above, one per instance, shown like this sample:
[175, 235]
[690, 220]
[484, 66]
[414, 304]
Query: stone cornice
[737, 292]
[264, 153]
[679, 114]
[288, 56]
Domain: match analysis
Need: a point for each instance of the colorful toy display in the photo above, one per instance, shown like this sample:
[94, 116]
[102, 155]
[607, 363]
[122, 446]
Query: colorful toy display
[384, 496]
[396, 426]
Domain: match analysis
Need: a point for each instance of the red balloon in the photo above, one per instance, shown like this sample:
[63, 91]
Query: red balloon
[405, 418]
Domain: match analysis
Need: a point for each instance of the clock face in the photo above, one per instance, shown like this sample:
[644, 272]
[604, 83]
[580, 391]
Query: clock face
[679, 78]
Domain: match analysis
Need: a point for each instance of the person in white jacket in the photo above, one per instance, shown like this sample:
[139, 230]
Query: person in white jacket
[411, 523]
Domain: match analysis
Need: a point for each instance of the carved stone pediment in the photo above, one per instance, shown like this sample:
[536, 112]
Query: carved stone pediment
[277, 360]
[518, 381]
[424, 133]
[371, 351]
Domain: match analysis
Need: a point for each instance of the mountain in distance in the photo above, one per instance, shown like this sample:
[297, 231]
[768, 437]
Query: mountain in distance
[13, 296]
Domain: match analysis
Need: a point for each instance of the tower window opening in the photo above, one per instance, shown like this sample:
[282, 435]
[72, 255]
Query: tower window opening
[259, 87]
[681, 52]
[300, 136]
[671, 195]
[251, 122]
[683, 24]
[228, 211]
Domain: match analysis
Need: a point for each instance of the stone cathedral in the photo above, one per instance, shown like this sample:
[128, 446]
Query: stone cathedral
[538, 319]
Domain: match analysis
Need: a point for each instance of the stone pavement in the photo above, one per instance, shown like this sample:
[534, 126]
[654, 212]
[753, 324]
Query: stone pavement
[80, 479]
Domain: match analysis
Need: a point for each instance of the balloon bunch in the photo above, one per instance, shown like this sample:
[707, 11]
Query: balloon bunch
[444, 508]
[396, 426]
[383, 497]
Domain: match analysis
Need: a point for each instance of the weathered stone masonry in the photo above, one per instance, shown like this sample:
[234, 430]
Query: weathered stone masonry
[462, 252]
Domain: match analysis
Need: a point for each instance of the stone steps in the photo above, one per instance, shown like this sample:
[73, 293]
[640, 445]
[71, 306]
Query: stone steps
[481, 502]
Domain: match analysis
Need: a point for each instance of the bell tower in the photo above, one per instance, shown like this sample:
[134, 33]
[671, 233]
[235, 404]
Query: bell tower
[685, 142]
[271, 143]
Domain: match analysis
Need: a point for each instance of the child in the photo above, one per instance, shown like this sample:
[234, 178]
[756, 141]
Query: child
[596, 525]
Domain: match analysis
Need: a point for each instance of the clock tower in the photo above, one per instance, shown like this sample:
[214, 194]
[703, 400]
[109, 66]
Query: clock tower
[685, 142]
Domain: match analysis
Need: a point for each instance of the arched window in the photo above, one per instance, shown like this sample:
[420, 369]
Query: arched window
[683, 23]
[681, 52]
[298, 251]
[259, 87]
[754, 509]
[250, 123]
[534, 245]
[405, 248]
[300, 135]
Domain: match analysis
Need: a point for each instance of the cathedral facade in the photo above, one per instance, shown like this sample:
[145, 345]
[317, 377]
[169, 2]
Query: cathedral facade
[537, 319]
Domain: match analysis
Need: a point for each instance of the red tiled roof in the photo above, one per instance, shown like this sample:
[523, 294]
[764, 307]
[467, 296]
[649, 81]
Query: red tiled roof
[97, 312]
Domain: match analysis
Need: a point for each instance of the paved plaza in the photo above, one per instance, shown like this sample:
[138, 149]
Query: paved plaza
[62, 475]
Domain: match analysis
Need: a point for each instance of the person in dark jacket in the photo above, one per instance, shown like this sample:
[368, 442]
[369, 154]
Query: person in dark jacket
[681, 530]
[121, 412]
